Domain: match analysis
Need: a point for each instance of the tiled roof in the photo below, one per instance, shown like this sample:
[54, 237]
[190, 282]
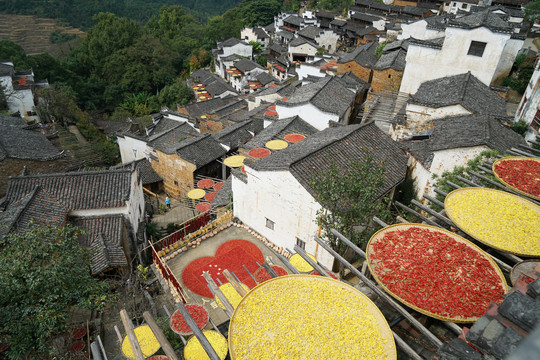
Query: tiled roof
[353, 81]
[294, 20]
[464, 89]
[301, 41]
[147, 174]
[277, 48]
[392, 60]
[105, 255]
[358, 30]
[363, 55]
[340, 145]
[365, 17]
[245, 65]
[430, 43]
[230, 42]
[6, 70]
[285, 34]
[44, 209]
[235, 135]
[260, 32]
[224, 194]
[18, 142]
[199, 150]
[484, 18]
[77, 190]
[462, 132]
[338, 22]
[103, 235]
[310, 32]
[264, 78]
[218, 87]
[330, 95]
[205, 107]
[278, 129]
[174, 135]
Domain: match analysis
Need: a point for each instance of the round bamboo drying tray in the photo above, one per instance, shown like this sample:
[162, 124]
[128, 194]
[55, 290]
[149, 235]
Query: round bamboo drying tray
[177, 313]
[488, 240]
[379, 234]
[274, 339]
[511, 158]
[525, 266]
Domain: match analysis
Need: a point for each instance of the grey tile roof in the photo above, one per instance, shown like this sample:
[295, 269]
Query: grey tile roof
[265, 78]
[392, 60]
[462, 132]
[310, 32]
[260, 32]
[105, 255]
[363, 55]
[431, 43]
[330, 95]
[218, 87]
[278, 48]
[172, 136]
[200, 150]
[235, 135]
[353, 81]
[147, 174]
[6, 70]
[294, 20]
[278, 129]
[230, 42]
[365, 17]
[464, 89]
[285, 34]
[245, 65]
[308, 158]
[205, 107]
[438, 22]
[77, 190]
[201, 75]
[338, 22]
[358, 30]
[283, 90]
[416, 11]
[484, 18]
[19, 142]
[224, 194]
[301, 41]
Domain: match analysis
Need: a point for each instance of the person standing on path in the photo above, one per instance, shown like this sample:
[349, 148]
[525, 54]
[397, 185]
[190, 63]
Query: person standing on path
[168, 202]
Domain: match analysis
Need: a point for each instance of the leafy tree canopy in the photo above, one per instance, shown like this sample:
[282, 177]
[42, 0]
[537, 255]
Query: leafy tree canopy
[349, 200]
[43, 273]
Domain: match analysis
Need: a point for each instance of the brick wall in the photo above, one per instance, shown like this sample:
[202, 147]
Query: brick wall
[357, 69]
[177, 174]
[14, 167]
[386, 80]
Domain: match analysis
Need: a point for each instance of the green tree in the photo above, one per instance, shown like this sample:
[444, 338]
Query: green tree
[532, 11]
[57, 104]
[13, 51]
[177, 93]
[380, 48]
[262, 60]
[257, 47]
[43, 273]
[349, 200]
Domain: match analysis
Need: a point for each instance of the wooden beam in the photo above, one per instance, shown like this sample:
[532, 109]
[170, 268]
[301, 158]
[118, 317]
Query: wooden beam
[269, 270]
[405, 347]
[525, 147]
[310, 261]
[455, 186]
[434, 201]
[235, 284]
[215, 290]
[416, 213]
[288, 265]
[118, 335]
[421, 328]
[432, 212]
[167, 348]
[379, 222]
[523, 153]
[440, 192]
[197, 332]
[467, 181]
[128, 326]
[250, 274]
[349, 243]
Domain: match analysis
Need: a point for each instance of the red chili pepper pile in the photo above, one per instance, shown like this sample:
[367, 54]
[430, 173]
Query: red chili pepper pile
[435, 272]
[522, 174]
[76, 346]
[197, 312]
[261, 275]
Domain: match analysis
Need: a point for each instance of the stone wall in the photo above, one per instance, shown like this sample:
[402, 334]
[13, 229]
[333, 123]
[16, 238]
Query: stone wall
[357, 69]
[177, 174]
[388, 80]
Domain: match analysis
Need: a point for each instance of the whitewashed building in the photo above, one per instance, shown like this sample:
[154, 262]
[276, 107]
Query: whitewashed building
[529, 107]
[18, 86]
[256, 34]
[323, 38]
[480, 42]
[329, 99]
[275, 197]
[230, 50]
[452, 142]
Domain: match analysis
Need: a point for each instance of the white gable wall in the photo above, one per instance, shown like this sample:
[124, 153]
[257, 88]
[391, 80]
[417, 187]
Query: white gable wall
[328, 41]
[239, 49]
[304, 49]
[418, 30]
[421, 114]
[309, 113]
[278, 197]
[304, 70]
[131, 149]
[424, 64]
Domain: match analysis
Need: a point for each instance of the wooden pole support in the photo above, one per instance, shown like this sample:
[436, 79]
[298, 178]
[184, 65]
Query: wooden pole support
[235, 284]
[128, 326]
[269, 270]
[310, 261]
[167, 348]
[215, 290]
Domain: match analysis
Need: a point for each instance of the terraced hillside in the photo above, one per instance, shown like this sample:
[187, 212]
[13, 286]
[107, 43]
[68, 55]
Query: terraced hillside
[32, 32]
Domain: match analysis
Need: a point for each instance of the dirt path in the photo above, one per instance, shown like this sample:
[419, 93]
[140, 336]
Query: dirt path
[75, 131]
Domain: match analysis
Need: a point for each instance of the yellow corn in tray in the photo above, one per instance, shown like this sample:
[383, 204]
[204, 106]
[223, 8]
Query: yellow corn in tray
[231, 294]
[195, 351]
[147, 342]
[297, 317]
[498, 219]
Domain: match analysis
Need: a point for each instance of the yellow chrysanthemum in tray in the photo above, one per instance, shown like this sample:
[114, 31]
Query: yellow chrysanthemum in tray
[231, 294]
[498, 219]
[300, 264]
[308, 317]
[147, 341]
[195, 351]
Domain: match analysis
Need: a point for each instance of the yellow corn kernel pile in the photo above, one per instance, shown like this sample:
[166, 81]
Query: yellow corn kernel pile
[308, 317]
[147, 341]
[231, 294]
[194, 350]
[497, 218]
[300, 264]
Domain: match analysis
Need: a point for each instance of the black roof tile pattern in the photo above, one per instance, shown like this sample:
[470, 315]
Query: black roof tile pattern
[200, 150]
[245, 65]
[330, 95]
[172, 136]
[462, 132]
[278, 129]
[105, 255]
[363, 55]
[307, 158]
[147, 174]
[301, 41]
[77, 190]
[265, 78]
[235, 135]
[484, 18]
[224, 194]
[260, 32]
[310, 32]
[206, 107]
[464, 89]
[294, 20]
[338, 22]
[43, 209]
[392, 60]
[277, 48]
[6, 70]
[230, 42]
[365, 17]
[353, 81]
[19, 142]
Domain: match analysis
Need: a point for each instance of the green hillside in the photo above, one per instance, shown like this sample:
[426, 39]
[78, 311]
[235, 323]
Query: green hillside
[79, 13]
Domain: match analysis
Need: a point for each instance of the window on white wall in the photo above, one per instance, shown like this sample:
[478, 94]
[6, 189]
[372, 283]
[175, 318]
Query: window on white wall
[301, 243]
[135, 152]
[270, 224]
[477, 48]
